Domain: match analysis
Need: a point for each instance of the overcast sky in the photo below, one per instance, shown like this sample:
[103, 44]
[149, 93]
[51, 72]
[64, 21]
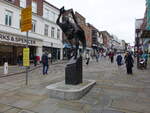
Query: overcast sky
[115, 16]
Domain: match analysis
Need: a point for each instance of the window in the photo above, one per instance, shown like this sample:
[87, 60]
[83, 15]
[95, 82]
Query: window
[10, 0]
[52, 32]
[23, 3]
[34, 6]
[8, 18]
[58, 33]
[46, 30]
[46, 13]
[52, 16]
[33, 25]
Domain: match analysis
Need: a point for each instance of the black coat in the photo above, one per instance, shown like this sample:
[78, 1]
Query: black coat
[129, 61]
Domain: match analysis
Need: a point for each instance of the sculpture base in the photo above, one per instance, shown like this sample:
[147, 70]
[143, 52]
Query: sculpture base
[63, 91]
[73, 71]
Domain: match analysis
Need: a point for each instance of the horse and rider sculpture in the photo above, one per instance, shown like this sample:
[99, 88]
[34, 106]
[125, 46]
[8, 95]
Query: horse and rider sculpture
[73, 31]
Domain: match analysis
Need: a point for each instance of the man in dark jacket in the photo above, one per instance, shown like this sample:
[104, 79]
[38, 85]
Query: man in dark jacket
[129, 63]
[45, 63]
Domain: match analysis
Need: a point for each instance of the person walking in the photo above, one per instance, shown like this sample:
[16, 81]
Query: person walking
[50, 57]
[20, 59]
[87, 58]
[97, 56]
[35, 60]
[129, 63]
[111, 55]
[45, 63]
[119, 60]
[145, 57]
[104, 54]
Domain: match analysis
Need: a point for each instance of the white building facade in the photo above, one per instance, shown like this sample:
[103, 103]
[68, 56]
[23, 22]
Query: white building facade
[44, 36]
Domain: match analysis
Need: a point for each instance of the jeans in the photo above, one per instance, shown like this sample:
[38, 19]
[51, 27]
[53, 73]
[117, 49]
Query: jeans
[45, 69]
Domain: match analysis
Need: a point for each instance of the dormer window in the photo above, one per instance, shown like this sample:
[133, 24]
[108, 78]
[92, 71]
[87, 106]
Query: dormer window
[34, 6]
[23, 3]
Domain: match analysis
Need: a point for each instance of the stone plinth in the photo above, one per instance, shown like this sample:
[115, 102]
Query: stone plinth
[73, 71]
[64, 91]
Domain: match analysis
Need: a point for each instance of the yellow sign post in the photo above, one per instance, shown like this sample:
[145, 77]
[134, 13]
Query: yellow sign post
[26, 25]
[26, 60]
[26, 19]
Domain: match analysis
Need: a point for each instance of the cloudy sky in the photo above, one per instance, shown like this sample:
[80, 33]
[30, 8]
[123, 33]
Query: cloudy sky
[115, 16]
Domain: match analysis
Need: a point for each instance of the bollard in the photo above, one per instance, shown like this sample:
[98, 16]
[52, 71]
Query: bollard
[6, 68]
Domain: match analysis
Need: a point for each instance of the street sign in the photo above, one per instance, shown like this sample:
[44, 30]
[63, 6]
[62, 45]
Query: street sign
[26, 19]
[26, 59]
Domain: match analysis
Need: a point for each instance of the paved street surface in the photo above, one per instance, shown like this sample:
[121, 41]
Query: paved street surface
[20, 69]
[114, 92]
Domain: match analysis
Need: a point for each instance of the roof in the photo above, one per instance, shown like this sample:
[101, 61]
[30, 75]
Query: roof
[51, 5]
[79, 15]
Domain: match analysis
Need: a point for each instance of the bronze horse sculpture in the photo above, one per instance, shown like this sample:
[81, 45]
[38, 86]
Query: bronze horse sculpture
[71, 30]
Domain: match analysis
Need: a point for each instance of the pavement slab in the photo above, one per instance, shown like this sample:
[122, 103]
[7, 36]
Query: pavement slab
[25, 111]
[4, 107]
[131, 105]
[13, 110]
[67, 111]
[71, 105]
[44, 108]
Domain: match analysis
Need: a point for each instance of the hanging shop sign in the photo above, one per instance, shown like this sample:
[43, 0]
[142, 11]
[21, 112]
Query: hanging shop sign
[16, 39]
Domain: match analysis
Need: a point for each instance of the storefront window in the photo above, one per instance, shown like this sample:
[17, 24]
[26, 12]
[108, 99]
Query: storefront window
[8, 18]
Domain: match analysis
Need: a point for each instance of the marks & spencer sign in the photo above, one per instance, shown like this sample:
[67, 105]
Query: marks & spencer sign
[15, 39]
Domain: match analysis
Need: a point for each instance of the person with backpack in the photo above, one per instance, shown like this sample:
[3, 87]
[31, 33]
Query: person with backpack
[45, 63]
[119, 60]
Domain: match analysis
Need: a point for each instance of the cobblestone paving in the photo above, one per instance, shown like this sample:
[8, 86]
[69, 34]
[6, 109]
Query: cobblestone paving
[114, 92]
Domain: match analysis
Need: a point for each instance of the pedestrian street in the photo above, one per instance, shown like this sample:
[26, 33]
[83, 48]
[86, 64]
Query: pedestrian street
[114, 92]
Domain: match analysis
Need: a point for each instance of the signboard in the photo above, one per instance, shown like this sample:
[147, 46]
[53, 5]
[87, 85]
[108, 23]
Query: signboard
[5, 37]
[26, 59]
[26, 19]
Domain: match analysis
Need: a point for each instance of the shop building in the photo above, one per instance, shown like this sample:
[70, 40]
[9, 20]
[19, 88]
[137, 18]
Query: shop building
[44, 36]
[52, 41]
[88, 32]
